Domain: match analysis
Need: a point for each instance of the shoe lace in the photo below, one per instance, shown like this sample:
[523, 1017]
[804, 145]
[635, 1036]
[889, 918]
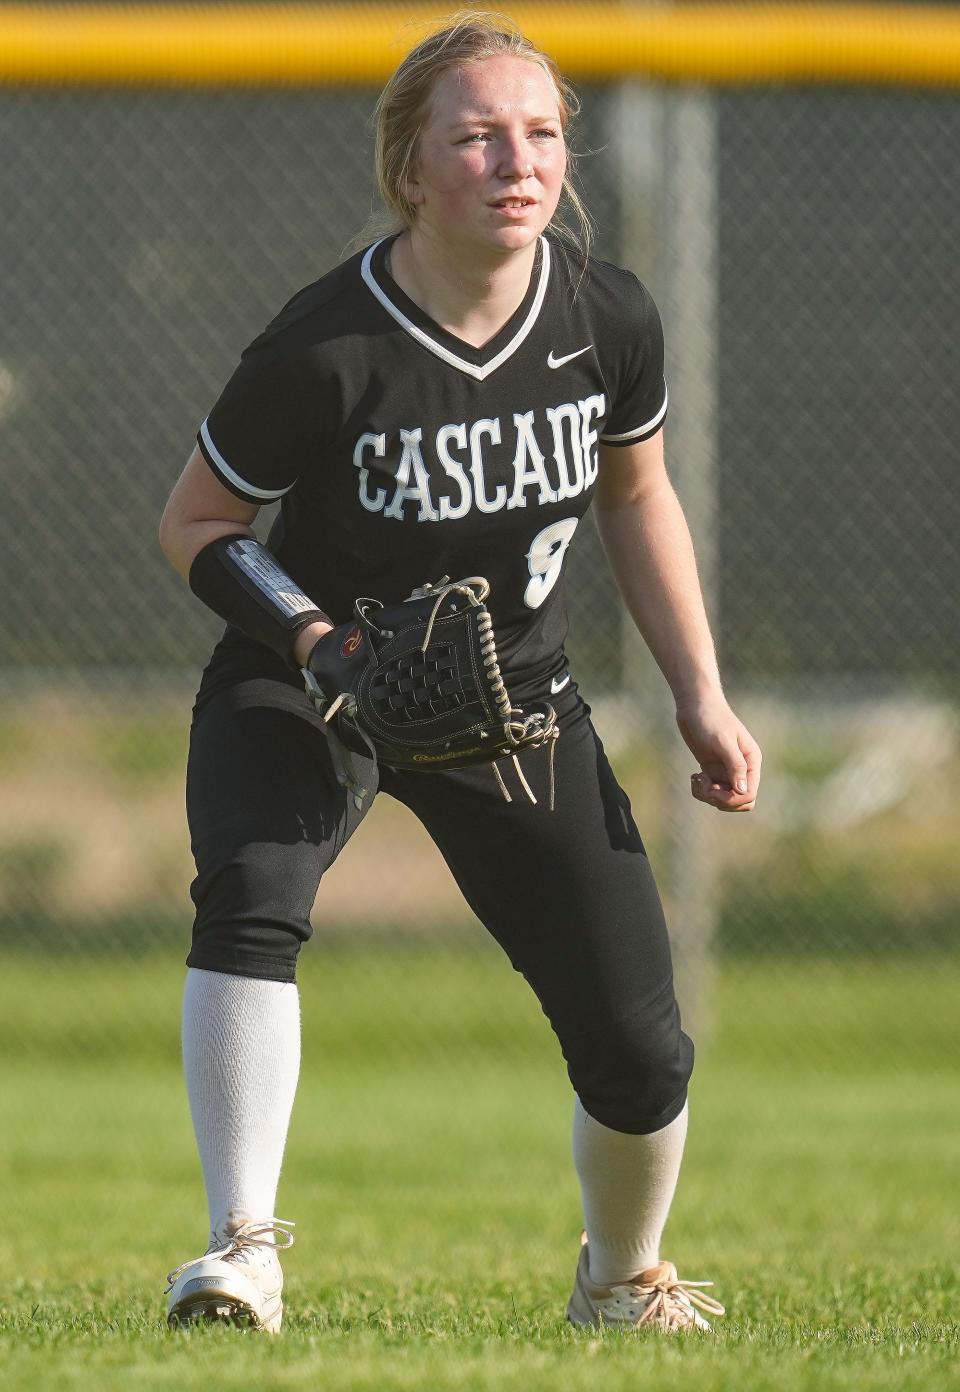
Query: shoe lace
[272, 1233]
[670, 1300]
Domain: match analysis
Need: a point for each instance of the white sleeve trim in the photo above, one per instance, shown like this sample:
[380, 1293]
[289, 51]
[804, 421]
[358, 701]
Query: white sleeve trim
[268, 495]
[642, 429]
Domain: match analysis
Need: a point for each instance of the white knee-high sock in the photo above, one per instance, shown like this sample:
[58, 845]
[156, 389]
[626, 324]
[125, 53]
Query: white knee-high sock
[241, 1057]
[627, 1183]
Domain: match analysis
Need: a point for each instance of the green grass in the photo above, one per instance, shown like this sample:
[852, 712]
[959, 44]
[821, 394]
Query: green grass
[436, 1208]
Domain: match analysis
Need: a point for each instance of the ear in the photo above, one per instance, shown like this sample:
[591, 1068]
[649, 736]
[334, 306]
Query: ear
[413, 191]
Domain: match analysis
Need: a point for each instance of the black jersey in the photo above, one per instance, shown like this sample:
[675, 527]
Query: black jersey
[402, 454]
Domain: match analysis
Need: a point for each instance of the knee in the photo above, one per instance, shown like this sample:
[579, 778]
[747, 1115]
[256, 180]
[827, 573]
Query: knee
[631, 1074]
[253, 911]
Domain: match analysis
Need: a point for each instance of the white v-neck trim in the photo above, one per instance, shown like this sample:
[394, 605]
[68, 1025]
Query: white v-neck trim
[472, 370]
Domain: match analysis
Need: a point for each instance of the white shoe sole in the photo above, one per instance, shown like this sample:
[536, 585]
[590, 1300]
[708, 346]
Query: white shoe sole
[217, 1310]
[208, 1305]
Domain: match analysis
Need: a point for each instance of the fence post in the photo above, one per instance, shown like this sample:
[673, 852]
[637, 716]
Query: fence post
[691, 885]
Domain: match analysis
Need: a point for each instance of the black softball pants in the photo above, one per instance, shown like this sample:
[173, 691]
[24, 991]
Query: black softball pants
[568, 895]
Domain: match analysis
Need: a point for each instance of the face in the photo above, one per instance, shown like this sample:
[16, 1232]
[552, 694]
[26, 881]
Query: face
[491, 158]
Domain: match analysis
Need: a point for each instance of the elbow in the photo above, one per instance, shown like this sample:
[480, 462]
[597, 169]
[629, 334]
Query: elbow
[173, 543]
[166, 535]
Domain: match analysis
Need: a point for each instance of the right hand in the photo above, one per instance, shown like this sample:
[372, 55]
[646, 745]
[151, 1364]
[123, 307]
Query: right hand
[728, 755]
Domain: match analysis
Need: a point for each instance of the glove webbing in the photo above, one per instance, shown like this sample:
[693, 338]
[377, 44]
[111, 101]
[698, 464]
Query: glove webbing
[475, 590]
[514, 730]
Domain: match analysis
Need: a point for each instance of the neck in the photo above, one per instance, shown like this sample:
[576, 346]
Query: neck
[472, 299]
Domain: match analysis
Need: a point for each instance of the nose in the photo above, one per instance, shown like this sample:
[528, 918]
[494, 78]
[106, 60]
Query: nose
[515, 161]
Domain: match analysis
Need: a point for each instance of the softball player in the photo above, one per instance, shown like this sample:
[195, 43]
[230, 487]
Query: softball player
[449, 401]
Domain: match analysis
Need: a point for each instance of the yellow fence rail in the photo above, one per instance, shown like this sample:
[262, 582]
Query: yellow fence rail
[72, 45]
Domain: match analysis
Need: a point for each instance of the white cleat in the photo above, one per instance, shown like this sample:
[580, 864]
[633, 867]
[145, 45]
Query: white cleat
[238, 1280]
[654, 1299]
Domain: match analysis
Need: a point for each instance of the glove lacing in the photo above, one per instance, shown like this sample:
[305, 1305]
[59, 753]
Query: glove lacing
[533, 730]
[340, 756]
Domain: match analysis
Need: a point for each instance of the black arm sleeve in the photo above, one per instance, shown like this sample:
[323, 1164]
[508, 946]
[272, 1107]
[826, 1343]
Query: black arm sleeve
[239, 579]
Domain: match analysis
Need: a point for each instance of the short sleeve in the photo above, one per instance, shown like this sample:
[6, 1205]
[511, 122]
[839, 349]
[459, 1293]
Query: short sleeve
[258, 438]
[640, 393]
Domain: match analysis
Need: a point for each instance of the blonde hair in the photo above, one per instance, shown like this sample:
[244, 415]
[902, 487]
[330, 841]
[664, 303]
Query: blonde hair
[466, 37]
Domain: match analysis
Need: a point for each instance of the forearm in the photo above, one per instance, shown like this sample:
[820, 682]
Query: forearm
[650, 551]
[185, 544]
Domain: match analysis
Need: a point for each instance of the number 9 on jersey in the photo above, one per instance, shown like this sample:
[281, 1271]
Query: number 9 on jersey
[545, 559]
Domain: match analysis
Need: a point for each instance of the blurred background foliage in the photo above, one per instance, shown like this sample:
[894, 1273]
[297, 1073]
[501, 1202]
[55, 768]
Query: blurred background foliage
[93, 845]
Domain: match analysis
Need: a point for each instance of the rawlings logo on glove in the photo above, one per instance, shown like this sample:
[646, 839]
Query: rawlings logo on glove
[417, 685]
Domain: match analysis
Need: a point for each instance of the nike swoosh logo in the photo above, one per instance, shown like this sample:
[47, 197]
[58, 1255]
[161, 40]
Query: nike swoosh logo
[558, 684]
[558, 362]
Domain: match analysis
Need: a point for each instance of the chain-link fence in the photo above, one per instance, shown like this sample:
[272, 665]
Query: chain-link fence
[802, 246]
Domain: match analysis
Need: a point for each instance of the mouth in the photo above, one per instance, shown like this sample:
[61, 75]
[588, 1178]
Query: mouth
[514, 208]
